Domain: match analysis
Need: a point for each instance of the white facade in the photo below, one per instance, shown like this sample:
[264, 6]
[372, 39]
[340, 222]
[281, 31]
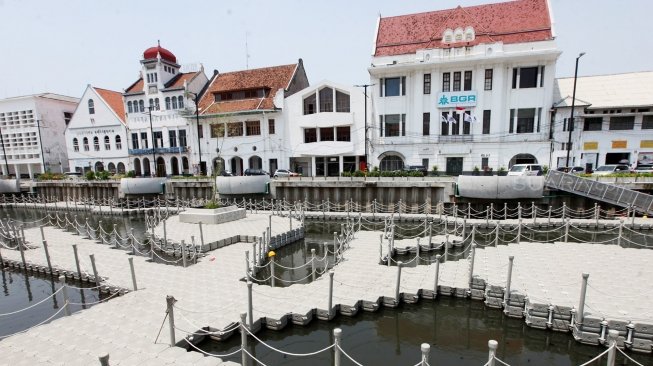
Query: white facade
[96, 136]
[32, 130]
[155, 106]
[500, 145]
[613, 120]
[325, 132]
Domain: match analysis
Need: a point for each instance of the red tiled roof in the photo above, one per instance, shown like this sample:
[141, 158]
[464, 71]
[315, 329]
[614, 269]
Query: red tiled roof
[153, 52]
[113, 100]
[136, 87]
[272, 78]
[178, 80]
[508, 22]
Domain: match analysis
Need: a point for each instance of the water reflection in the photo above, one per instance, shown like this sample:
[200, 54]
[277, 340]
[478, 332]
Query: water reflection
[457, 330]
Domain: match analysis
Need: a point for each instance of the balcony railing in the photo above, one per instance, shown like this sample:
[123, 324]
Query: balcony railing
[159, 150]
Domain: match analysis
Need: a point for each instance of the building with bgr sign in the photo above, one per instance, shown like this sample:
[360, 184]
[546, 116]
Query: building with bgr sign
[96, 136]
[32, 133]
[613, 120]
[464, 89]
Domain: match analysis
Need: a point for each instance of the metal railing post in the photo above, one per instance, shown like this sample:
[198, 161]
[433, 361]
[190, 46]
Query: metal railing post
[170, 302]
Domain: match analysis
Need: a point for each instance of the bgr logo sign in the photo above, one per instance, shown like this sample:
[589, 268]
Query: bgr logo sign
[457, 99]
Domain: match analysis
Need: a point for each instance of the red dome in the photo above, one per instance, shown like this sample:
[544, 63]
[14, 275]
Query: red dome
[165, 54]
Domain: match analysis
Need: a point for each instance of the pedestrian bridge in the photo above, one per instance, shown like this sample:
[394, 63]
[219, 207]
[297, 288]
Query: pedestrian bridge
[599, 191]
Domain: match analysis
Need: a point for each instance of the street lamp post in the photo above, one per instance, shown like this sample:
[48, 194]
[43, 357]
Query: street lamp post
[573, 102]
[4, 153]
[197, 120]
[364, 86]
[149, 112]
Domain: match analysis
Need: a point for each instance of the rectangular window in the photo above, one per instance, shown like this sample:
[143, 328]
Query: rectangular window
[622, 123]
[234, 129]
[310, 135]
[468, 80]
[426, 124]
[144, 141]
[271, 127]
[455, 126]
[343, 133]
[485, 163]
[342, 102]
[647, 122]
[425, 163]
[134, 141]
[487, 114]
[593, 124]
[392, 125]
[456, 81]
[467, 118]
[444, 128]
[527, 77]
[446, 81]
[158, 139]
[253, 128]
[217, 130]
[566, 124]
[200, 131]
[172, 138]
[512, 121]
[427, 83]
[326, 100]
[488, 79]
[392, 87]
[182, 138]
[526, 120]
[326, 134]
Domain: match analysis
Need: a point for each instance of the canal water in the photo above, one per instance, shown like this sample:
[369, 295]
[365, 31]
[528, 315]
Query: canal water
[457, 329]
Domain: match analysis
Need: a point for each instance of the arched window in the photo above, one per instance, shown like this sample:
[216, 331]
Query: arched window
[107, 143]
[157, 106]
[174, 103]
[447, 37]
[151, 103]
[141, 105]
[181, 102]
[458, 35]
[469, 34]
[112, 168]
[121, 168]
[91, 106]
[168, 103]
[75, 144]
[391, 163]
[96, 143]
[129, 107]
[118, 142]
[86, 148]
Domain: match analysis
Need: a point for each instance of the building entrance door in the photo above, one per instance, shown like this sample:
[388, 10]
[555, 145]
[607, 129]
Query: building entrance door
[454, 166]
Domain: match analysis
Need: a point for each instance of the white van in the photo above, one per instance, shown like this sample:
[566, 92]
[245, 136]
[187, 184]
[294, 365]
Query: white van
[526, 169]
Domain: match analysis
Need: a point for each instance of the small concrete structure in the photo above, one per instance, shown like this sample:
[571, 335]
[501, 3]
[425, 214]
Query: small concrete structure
[212, 216]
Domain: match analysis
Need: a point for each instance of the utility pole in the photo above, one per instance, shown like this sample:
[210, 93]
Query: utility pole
[365, 86]
[199, 138]
[38, 128]
[4, 153]
[573, 102]
[149, 112]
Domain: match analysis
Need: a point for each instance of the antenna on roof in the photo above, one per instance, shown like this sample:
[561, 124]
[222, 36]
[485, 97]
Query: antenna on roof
[246, 52]
[158, 42]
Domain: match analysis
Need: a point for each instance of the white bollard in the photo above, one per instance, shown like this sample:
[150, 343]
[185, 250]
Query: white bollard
[337, 334]
[492, 347]
[64, 291]
[170, 301]
[243, 339]
[581, 303]
[506, 295]
[313, 264]
[471, 267]
[183, 254]
[133, 272]
[95, 275]
[398, 285]
[613, 334]
[621, 228]
[437, 275]
[330, 310]
[250, 306]
[426, 349]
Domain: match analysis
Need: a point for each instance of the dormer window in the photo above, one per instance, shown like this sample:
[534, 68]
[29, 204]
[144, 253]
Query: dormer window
[469, 34]
[242, 94]
[458, 35]
[448, 36]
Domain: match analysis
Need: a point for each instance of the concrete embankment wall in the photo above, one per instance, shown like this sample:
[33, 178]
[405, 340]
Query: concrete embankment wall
[411, 191]
[182, 189]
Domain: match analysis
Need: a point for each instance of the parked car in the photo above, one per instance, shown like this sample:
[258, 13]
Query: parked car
[525, 169]
[285, 173]
[571, 170]
[226, 173]
[416, 168]
[611, 169]
[256, 172]
[643, 169]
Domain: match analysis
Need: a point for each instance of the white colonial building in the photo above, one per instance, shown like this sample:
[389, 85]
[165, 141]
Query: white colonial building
[326, 129]
[96, 135]
[613, 120]
[242, 118]
[32, 133]
[464, 88]
[156, 104]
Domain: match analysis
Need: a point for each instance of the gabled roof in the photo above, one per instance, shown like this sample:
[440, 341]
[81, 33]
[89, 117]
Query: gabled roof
[114, 100]
[272, 78]
[633, 89]
[178, 80]
[136, 87]
[509, 22]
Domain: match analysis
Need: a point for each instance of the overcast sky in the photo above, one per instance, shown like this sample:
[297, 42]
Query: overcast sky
[62, 45]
